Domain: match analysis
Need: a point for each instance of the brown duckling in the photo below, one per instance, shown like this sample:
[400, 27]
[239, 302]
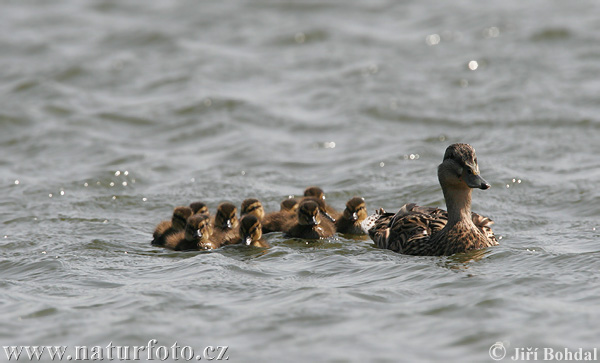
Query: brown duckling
[200, 208]
[276, 221]
[352, 217]
[225, 223]
[289, 205]
[250, 232]
[196, 236]
[176, 224]
[309, 224]
[328, 211]
[254, 207]
[431, 231]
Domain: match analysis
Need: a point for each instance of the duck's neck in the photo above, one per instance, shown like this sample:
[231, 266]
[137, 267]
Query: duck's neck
[458, 203]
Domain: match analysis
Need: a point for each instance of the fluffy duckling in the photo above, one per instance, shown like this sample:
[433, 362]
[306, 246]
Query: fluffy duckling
[196, 236]
[225, 223]
[309, 224]
[250, 232]
[431, 231]
[352, 217]
[200, 208]
[254, 207]
[176, 224]
[277, 221]
[328, 211]
[289, 205]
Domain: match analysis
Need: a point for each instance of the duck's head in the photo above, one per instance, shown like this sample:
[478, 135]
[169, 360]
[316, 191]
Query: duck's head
[199, 208]
[356, 210]
[314, 192]
[308, 213]
[289, 205]
[198, 228]
[254, 207]
[226, 216]
[322, 208]
[250, 229]
[460, 169]
[180, 215]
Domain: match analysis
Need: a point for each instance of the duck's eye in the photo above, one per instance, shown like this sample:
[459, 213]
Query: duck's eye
[470, 171]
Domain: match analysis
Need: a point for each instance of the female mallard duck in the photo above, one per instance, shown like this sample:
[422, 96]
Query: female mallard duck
[431, 231]
[309, 224]
[196, 236]
[225, 223]
[352, 217]
[199, 208]
[328, 211]
[254, 207]
[250, 232]
[166, 228]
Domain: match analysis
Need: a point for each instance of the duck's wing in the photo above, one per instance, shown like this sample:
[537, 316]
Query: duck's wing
[485, 226]
[409, 231]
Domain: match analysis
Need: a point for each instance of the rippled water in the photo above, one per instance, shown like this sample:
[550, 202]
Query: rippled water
[114, 112]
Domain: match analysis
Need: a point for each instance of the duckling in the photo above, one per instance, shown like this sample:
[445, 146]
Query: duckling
[254, 207]
[309, 224]
[289, 205]
[431, 231]
[199, 208]
[352, 217]
[196, 236]
[225, 223]
[276, 221]
[250, 232]
[166, 228]
[328, 211]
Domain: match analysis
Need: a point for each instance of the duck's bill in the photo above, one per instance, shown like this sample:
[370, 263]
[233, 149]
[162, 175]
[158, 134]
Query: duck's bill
[476, 181]
[248, 241]
[198, 233]
[328, 216]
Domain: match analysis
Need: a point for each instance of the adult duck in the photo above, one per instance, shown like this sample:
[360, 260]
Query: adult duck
[427, 231]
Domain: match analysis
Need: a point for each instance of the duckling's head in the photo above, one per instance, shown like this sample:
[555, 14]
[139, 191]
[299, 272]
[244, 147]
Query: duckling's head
[308, 213]
[254, 207]
[198, 228]
[250, 229]
[314, 192]
[199, 208]
[289, 205]
[356, 210]
[226, 216]
[180, 215]
[322, 208]
[460, 169]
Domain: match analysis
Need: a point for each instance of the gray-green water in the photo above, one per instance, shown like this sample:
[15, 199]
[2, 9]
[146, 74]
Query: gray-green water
[114, 112]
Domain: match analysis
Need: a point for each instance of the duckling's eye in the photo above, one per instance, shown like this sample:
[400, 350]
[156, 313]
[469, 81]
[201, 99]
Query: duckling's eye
[470, 171]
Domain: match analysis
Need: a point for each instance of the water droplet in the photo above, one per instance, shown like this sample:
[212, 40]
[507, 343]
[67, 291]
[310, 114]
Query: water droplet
[473, 65]
[514, 180]
[144, 199]
[300, 38]
[491, 32]
[117, 173]
[62, 192]
[507, 186]
[5, 236]
[382, 164]
[519, 181]
[112, 184]
[126, 173]
[85, 185]
[593, 229]
[124, 184]
[97, 183]
[105, 221]
[50, 195]
[412, 156]
[193, 180]
[43, 252]
[442, 138]
[432, 39]
[464, 83]
[125, 252]
[17, 182]
[329, 145]
[243, 172]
